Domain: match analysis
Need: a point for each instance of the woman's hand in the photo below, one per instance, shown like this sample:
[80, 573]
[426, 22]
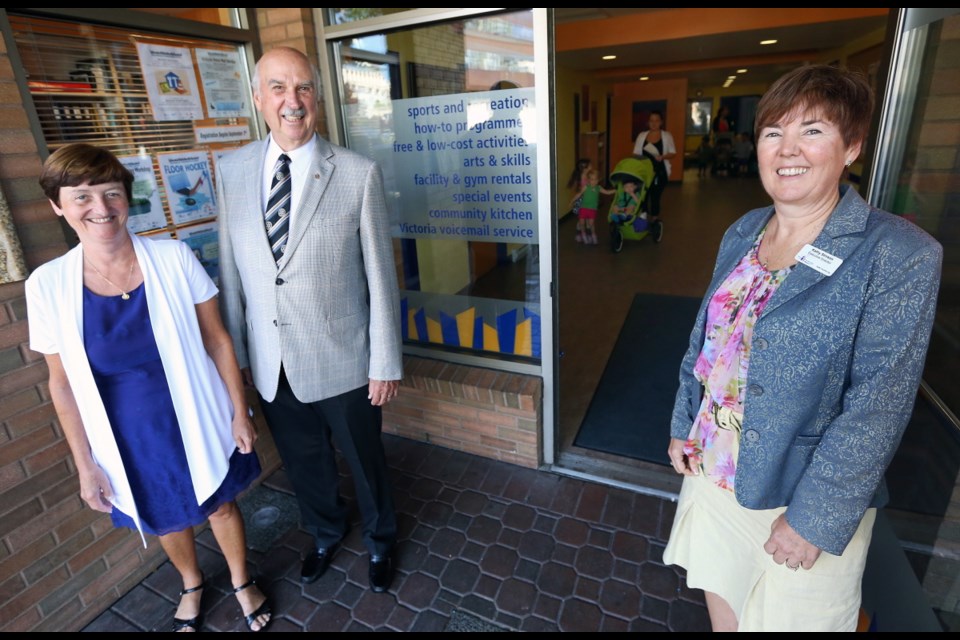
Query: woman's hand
[244, 431]
[95, 489]
[679, 460]
[788, 547]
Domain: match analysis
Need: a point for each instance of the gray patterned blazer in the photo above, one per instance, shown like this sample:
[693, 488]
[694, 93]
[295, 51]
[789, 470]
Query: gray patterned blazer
[330, 310]
[834, 368]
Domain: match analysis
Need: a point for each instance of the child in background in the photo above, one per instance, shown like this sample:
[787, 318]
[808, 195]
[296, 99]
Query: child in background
[704, 157]
[627, 203]
[742, 153]
[589, 198]
[577, 181]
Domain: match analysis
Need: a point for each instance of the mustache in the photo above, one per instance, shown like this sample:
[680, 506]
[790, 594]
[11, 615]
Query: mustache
[296, 113]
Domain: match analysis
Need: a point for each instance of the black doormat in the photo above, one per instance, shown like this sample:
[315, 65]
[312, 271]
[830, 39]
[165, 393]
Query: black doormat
[629, 414]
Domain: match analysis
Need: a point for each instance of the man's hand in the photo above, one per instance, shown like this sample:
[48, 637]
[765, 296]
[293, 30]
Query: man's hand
[383, 391]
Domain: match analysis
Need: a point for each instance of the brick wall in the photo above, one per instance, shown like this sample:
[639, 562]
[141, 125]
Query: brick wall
[488, 413]
[445, 73]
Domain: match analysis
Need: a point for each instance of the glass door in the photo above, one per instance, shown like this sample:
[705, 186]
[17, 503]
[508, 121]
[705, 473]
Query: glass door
[916, 174]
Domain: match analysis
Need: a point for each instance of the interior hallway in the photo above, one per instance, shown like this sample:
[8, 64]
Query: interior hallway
[596, 287]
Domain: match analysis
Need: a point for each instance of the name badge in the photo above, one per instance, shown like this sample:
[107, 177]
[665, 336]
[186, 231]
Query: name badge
[818, 259]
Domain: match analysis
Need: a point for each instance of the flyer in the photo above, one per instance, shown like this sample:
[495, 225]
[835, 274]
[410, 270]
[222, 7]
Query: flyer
[187, 179]
[146, 208]
[203, 240]
[223, 83]
[171, 82]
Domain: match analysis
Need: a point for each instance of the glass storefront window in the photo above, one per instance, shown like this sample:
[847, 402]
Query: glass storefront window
[222, 17]
[917, 178]
[344, 16]
[920, 179]
[448, 110]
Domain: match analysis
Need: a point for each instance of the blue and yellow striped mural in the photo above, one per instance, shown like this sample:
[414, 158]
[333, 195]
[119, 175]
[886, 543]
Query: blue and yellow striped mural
[499, 326]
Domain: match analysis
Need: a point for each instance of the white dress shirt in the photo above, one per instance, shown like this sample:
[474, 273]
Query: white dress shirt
[299, 166]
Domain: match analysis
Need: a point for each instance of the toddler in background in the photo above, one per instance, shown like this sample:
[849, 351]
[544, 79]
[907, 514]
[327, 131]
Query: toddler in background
[626, 204]
[704, 157]
[589, 198]
[578, 180]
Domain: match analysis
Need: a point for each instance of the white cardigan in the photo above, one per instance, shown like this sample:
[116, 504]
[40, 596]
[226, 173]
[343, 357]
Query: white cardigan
[668, 146]
[174, 282]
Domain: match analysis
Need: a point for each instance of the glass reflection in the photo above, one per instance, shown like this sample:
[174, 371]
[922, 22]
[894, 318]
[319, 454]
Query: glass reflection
[447, 110]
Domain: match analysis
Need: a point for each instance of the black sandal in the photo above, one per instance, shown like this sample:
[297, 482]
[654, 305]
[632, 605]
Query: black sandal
[263, 609]
[179, 624]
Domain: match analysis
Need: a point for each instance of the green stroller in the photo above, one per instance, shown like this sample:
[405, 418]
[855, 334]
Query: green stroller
[627, 215]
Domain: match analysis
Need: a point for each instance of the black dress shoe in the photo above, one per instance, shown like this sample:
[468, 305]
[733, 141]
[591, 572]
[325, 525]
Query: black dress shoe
[381, 572]
[316, 563]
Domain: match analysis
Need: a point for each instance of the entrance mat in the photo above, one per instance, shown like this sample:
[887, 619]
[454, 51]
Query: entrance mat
[629, 414]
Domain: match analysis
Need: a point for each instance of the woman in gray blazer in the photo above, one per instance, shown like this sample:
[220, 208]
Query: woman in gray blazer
[801, 373]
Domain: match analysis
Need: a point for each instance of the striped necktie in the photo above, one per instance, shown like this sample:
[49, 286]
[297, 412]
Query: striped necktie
[277, 215]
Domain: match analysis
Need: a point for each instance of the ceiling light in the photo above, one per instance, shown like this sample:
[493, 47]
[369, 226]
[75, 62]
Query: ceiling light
[741, 70]
[609, 57]
[644, 77]
[768, 42]
[729, 81]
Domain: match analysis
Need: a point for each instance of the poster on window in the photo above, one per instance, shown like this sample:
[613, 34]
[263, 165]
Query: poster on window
[203, 241]
[146, 209]
[171, 82]
[223, 83]
[465, 165]
[186, 177]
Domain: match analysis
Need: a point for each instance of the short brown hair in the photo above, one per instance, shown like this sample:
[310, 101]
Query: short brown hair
[77, 164]
[841, 96]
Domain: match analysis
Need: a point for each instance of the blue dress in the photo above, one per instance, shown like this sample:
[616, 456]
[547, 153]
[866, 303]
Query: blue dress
[126, 366]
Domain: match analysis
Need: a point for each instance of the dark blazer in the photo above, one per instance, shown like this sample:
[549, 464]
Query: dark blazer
[835, 364]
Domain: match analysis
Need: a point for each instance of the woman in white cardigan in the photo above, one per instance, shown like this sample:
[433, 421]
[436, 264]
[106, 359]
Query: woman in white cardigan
[656, 144]
[144, 378]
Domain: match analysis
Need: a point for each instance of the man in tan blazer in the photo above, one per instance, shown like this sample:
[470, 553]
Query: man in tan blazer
[309, 294]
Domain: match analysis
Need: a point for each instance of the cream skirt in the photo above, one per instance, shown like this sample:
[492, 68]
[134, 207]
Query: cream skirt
[720, 544]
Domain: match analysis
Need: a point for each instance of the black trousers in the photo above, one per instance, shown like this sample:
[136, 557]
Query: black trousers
[655, 192]
[305, 433]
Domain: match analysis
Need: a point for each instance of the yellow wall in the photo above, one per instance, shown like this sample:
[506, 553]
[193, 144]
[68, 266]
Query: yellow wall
[444, 265]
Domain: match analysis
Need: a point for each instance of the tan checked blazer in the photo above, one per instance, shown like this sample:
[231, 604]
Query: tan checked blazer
[329, 311]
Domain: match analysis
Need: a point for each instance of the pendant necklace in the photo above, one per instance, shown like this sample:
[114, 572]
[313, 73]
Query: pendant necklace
[124, 295]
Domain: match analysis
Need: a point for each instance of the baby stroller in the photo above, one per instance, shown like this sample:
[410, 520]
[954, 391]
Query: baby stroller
[628, 218]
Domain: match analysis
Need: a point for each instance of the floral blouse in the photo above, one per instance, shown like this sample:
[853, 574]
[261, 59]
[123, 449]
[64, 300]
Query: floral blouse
[721, 368]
